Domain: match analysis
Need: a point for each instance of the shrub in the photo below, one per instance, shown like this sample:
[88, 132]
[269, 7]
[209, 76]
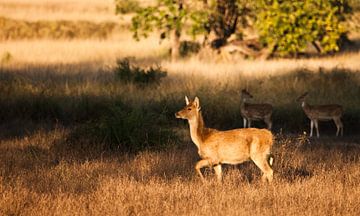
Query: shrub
[290, 26]
[126, 6]
[132, 129]
[132, 74]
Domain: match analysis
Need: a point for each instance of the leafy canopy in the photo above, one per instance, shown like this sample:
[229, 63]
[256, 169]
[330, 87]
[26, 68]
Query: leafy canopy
[291, 25]
[169, 15]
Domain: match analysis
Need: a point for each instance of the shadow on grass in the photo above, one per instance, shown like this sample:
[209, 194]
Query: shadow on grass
[70, 96]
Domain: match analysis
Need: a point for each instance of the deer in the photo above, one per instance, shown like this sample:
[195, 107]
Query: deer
[234, 146]
[251, 112]
[318, 113]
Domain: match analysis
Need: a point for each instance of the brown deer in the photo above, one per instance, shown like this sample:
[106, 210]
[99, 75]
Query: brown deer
[251, 112]
[318, 113]
[227, 147]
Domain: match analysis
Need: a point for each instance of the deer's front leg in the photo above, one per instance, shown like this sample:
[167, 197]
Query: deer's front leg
[201, 164]
[244, 122]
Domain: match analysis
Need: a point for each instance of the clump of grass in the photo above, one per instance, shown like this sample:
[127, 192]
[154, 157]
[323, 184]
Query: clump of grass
[6, 58]
[128, 73]
[127, 6]
[18, 29]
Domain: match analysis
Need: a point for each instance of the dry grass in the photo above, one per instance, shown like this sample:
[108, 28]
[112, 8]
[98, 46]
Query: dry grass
[79, 51]
[312, 178]
[92, 10]
[50, 88]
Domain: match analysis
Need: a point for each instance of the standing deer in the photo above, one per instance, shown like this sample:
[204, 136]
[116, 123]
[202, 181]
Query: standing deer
[227, 147]
[318, 113]
[251, 112]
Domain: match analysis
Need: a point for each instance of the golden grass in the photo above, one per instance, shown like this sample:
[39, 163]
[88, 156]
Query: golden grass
[316, 178]
[92, 10]
[77, 51]
[45, 171]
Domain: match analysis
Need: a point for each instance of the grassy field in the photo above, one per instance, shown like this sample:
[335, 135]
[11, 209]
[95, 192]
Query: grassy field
[60, 98]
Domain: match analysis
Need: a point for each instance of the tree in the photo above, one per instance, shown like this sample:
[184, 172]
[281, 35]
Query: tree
[169, 17]
[289, 26]
[284, 26]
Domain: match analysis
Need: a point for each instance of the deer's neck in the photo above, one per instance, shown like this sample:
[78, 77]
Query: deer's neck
[242, 104]
[197, 129]
[305, 105]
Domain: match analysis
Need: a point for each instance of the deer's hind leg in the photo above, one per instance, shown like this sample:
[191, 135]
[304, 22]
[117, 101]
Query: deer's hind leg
[260, 157]
[264, 166]
[339, 126]
[268, 122]
[218, 172]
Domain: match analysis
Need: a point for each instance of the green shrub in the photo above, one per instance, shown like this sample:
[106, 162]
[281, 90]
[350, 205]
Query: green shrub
[126, 6]
[133, 129]
[289, 26]
[132, 74]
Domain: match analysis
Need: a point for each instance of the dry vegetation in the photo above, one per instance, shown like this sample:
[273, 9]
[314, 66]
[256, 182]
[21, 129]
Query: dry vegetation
[51, 165]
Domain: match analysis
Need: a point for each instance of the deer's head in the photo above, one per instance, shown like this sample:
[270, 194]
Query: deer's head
[191, 110]
[302, 97]
[245, 95]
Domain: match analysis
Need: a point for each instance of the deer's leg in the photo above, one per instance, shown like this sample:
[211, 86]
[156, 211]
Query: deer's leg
[249, 123]
[244, 122]
[264, 166]
[339, 126]
[268, 122]
[311, 127]
[317, 128]
[201, 164]
[218, 172]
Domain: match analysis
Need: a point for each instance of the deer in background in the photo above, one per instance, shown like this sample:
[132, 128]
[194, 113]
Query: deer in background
[227, 147]
[318, 113]
[251, 112]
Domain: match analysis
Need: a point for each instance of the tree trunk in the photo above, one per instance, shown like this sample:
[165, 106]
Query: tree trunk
[175, 45]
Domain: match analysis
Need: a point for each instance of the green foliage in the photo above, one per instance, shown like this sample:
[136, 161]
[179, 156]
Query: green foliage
[126, 6]
[132, 129]
[167, 16]
[133, 74]
[290, 25]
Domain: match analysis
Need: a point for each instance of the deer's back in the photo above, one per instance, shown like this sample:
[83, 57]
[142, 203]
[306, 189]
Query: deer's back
[324, 111]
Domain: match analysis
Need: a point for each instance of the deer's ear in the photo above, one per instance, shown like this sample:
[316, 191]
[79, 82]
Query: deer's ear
[187, 100]
[197, 102]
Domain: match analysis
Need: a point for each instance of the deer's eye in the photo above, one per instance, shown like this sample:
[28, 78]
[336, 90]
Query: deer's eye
[189, 109]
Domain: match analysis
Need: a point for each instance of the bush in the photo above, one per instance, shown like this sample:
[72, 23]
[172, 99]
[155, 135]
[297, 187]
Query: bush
[289, 26]
[126, 6]
[133, 74]
[133, 129]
